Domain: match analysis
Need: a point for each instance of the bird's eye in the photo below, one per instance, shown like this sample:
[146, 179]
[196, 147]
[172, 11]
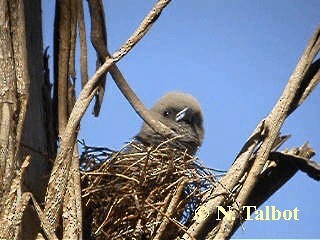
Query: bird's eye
[166, 113]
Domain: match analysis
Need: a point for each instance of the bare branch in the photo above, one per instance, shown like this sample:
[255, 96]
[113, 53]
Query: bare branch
[223, 192]
[137, 104]
[99, 41]
[57, 183]
[98, 38]
[98, 28]
[268, 136]
[304, 164]
[72, 214]
[73, 37]
[283, 168]
[83, 45]
[274, 122]
[309, 82]
[62, 42]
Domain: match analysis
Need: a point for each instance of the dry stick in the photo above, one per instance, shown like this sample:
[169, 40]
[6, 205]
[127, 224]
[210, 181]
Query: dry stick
[99, 42]
[62, 40]
[57, 181]
[44, 222]
[67, 13]
[274, 122]
[83, 45]
[199, 228]
[231, 180]
[137, 104]
[175, 222]
[98, 28]
[9, 227]
[73, 37]
[275, 177]
[313, 83]
[171, 208]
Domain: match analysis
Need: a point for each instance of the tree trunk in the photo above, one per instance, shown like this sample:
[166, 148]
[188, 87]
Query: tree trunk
[25, 106]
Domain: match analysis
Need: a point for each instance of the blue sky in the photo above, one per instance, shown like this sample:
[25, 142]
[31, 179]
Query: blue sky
[236, 58]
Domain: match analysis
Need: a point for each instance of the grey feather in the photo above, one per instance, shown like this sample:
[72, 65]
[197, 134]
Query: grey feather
[182, 113]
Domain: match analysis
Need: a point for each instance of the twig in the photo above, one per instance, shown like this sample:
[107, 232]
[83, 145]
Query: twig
[83, 45]
[62, 41]
[309, 82]
[98, 28]
[171, 209]
[137, 104]
[99, 41]
[73, 36]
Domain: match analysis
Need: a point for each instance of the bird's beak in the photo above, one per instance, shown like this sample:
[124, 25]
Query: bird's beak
[182, 115]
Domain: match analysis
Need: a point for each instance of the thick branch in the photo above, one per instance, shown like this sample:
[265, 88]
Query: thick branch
[21, 64]
[8, 103]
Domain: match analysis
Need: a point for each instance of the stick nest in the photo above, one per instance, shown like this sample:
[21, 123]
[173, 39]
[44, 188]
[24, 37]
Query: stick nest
[141, 192]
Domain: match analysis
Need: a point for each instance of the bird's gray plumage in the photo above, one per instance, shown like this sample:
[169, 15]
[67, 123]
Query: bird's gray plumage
[182, 113]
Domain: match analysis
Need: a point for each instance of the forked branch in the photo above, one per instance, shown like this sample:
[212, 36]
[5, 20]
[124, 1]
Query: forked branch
[57, 183]
[249, 164]
[99, 42]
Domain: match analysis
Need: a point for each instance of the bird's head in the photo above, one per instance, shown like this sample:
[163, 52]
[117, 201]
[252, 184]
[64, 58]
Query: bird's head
[180, 112]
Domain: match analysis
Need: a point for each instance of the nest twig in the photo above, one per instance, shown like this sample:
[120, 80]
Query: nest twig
[142, 192]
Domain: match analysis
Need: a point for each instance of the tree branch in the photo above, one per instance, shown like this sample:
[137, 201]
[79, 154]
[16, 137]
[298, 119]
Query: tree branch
[302, 163]
[268, 136]
[57, 183]
[98, 39]
[83, 45]
[62, 42]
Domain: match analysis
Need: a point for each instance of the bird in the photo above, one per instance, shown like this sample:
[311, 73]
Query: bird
[179, 111]
[182, 113]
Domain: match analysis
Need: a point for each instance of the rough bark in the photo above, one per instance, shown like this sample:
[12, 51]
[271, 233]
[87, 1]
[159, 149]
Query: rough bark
[24, 130]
